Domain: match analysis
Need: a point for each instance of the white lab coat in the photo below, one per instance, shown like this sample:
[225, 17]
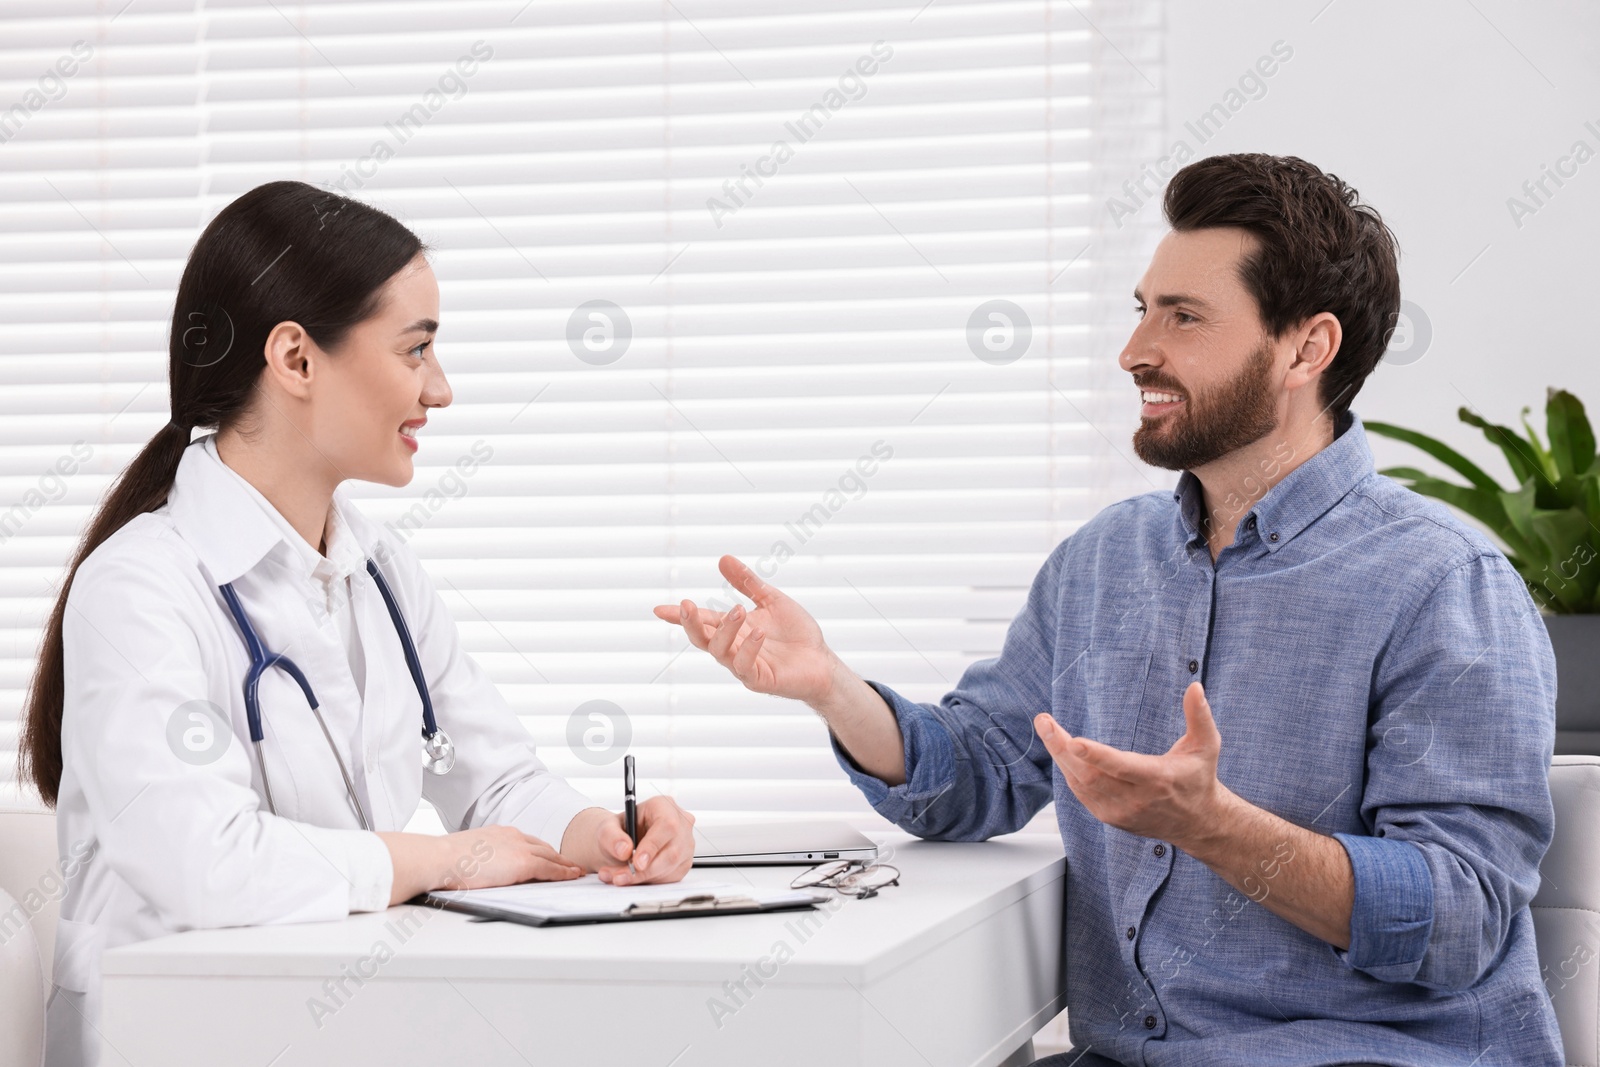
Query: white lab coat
[174, 845]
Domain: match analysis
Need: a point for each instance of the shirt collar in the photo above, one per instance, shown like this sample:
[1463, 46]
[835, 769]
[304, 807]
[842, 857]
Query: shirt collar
[232, 527]
[1304, 496]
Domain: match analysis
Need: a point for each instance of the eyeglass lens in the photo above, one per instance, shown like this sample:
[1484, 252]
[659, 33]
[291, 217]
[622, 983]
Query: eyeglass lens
[822, 873]
[872, 878]
[848, 876]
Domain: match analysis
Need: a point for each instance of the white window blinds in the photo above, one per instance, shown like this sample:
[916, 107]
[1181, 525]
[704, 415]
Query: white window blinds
[830, 286]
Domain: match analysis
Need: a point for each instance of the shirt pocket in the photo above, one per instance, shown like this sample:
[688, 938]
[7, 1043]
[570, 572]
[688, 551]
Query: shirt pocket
[77, 958]
[1102, 700]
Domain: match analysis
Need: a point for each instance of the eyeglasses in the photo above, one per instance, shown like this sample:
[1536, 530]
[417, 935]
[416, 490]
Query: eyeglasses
[853, 878]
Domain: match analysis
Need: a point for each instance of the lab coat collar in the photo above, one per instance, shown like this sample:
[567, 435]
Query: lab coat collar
[344, 557]
[232, 527]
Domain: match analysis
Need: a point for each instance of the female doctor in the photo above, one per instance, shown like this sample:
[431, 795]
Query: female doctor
[303, 333]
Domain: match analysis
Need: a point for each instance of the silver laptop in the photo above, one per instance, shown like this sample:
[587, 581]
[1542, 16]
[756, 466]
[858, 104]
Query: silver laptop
[776, 843]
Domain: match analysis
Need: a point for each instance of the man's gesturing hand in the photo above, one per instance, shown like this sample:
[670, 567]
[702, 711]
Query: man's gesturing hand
[1174, 797]
[1295, 873]
[776, 648]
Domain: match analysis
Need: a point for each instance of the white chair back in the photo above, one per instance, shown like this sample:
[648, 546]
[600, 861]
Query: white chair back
[1566, 911]
[31, 889]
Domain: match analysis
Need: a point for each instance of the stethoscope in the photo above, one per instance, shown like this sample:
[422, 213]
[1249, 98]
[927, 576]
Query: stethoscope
[438, 754]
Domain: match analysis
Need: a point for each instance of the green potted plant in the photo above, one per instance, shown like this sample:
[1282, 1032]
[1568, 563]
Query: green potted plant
[1549, 525]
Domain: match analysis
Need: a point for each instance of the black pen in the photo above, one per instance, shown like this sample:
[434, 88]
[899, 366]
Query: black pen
[630, 805]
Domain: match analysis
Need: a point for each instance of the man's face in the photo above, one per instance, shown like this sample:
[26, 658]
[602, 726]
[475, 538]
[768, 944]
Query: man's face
[1205, 368]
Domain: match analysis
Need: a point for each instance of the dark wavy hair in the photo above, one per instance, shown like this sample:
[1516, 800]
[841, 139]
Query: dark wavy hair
[283, 252]
[1317, 249]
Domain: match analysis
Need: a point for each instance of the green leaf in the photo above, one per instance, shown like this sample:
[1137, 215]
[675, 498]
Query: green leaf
[1566, 532]
[1548, 491]
[1571, 436]
[1533, 439]
[1519, 514]
[1528, 461]
[1515, 448]
[1550, 523]
[1439, 451]
[1589, 497]
[1574, 567]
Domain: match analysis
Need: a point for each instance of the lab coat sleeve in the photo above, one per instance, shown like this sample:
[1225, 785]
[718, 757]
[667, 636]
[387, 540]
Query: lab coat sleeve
[188, 835]
[498, 777]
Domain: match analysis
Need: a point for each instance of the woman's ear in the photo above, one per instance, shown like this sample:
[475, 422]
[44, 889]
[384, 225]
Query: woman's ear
[291, 359]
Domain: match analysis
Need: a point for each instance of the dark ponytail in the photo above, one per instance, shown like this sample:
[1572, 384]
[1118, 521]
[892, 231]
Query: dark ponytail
[283, 252]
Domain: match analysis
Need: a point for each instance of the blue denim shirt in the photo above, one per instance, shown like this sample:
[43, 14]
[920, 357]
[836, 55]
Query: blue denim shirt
[1378, 673]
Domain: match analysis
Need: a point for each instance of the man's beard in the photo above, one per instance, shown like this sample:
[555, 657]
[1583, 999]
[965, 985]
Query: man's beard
[1212, 424]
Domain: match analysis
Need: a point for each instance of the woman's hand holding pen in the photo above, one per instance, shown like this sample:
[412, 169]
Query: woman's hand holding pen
[596, 838]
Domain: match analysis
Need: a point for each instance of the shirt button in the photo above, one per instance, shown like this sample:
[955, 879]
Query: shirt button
[1194, 665]
[1160, 850]
[1130, 933]
[1272, 537]
[1149, 1022]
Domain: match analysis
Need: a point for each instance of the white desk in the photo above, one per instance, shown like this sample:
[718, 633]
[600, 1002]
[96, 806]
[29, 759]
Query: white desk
[958, 965]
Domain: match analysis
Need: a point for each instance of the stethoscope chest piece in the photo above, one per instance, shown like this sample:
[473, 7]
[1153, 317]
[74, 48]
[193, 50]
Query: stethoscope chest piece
[438, 753]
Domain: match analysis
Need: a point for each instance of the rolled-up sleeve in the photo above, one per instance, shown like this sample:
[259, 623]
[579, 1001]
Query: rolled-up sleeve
[1457, 799]
[1393, 911]
[974, 766]
[930, 759]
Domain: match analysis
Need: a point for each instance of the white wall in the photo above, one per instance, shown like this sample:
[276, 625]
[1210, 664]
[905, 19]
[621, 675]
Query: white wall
[1437, 111]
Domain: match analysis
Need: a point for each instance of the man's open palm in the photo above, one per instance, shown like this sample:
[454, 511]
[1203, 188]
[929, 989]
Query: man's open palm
[1169, 796]
[775, 648]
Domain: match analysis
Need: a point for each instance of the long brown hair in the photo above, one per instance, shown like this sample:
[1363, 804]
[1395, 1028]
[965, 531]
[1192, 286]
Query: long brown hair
[283, 252]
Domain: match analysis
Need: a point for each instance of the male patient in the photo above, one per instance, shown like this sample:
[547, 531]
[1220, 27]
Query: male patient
[1296, 720]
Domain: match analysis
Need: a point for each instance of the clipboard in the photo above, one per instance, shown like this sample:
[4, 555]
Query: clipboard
[587, 900]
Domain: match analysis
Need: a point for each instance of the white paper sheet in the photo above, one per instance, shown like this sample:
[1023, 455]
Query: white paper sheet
[590, 896]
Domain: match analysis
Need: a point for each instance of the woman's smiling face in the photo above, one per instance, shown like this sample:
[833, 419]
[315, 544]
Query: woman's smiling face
[375, 391]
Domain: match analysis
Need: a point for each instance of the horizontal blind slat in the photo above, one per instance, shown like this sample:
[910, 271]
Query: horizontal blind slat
[778, 331]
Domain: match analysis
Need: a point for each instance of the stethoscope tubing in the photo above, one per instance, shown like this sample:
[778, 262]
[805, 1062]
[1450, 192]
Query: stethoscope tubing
[261, 661]
[429, 727]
